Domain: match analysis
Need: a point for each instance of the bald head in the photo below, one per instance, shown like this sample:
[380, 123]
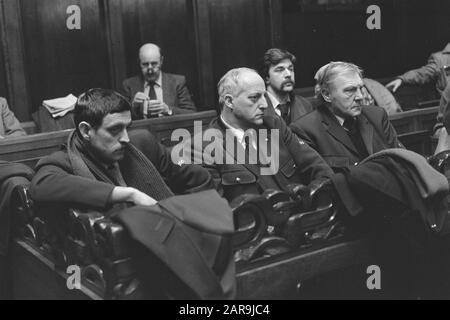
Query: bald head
[233, 81]
[241, 96]
[150, 60]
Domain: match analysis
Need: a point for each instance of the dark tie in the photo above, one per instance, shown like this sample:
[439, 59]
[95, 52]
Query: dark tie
[251, 154]
[284, 110]
[351, 126]
[152, 92]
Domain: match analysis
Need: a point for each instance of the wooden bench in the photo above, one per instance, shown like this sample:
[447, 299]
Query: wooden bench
[415, 128]
[412, 127]
[30, 149]
[35, 276]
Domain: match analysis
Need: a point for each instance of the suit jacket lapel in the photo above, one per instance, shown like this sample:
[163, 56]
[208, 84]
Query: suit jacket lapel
[366, 130]
[297, 110]
[336, 130]
[140, 83]
[168, 89]
[270, 110]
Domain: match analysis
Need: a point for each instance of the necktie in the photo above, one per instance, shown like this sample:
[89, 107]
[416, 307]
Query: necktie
[251, 154]
[152, 96]
[152, 92]
[351, 126]
[284, 110]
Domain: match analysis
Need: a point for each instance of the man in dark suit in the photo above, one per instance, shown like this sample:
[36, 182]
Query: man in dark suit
[341, 130]
[155, 93]
[242, 128]
[277, 69]
[99, 167]
[125, 175]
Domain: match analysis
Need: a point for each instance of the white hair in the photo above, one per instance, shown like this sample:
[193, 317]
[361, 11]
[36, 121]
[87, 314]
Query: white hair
[326, 74]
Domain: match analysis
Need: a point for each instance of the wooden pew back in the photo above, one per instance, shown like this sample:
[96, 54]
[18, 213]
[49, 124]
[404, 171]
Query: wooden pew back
[30, 149]
[414, 128]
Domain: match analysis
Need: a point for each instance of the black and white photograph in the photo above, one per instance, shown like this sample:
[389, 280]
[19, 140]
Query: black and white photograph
[224, 155]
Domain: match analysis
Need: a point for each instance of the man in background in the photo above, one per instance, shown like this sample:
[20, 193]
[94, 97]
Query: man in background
[437, 71]
[155, 93]
[9, 125]
[278, 72]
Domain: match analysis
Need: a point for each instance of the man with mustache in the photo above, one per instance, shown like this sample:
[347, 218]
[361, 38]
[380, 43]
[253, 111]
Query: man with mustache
[154, 93]
[341, 130]
[277, 70]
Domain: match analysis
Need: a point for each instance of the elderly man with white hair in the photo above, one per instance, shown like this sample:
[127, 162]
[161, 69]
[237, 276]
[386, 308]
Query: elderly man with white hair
[342, 130]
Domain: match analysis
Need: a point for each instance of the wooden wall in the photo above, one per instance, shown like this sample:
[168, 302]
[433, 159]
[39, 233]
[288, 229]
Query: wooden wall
[41, 59]
[410, 31]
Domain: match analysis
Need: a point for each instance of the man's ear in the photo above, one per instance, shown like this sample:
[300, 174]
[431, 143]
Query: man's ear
[161, 61]
[85, 129]
[229, 101]
[325, 95]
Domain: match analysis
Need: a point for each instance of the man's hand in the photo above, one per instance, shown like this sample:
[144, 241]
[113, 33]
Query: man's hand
[138, 198]
[394, 85]
[140, 102]
[140, 97]
[157, 107]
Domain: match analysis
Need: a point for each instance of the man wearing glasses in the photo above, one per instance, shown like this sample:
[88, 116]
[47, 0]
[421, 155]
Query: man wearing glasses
[155, 93]
[341, 129]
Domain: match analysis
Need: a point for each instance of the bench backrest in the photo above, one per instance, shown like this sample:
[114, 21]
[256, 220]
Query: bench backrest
[30, 149]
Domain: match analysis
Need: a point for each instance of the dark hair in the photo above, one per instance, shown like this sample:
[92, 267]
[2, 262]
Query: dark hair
[95, 104]
[273, 57]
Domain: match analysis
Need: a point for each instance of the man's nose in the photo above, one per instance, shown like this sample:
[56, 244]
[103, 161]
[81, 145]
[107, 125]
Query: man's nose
[287, 73]
[124, 138]
[262, 102]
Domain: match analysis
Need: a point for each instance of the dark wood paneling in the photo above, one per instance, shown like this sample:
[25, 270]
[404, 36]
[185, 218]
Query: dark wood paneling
[112, 15]
[317, 34]
[240, 33]
[201, 23]
[13, 59]
[167, 23]
[3, 53]
[61, 61]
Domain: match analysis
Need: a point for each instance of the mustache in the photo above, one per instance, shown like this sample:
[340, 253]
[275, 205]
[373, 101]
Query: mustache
[288, 82]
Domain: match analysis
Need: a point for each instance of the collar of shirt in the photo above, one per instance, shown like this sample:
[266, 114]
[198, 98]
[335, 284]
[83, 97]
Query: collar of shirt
[276, 103]
[340, 120]
[238, 133]
[158, 81]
